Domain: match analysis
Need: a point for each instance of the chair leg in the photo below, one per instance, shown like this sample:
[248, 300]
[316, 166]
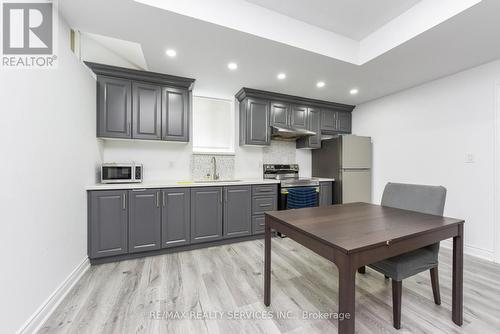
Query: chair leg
[362, 270]
[435, 285]
[397, 290]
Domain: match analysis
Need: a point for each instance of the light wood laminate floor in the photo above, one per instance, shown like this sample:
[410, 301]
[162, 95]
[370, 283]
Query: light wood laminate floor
[120, 297]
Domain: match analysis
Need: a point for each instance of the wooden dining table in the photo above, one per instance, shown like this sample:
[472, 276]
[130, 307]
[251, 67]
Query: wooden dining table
[358, 234]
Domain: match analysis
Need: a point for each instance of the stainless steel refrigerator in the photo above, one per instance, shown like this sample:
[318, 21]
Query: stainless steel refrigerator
[347, 159]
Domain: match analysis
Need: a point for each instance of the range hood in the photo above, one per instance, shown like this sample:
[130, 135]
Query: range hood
[286, 133]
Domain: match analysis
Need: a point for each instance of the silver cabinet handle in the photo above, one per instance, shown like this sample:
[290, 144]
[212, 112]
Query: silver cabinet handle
[164, 199]
[264, 205]
[221, 194]
[124, 201]
[138, 190]
[157, 199]
[225, 197]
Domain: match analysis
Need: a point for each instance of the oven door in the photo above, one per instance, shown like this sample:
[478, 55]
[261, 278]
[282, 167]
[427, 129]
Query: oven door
[117, 174]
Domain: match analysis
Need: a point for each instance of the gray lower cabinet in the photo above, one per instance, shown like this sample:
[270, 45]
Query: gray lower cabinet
[206, 214]
[175, 114]
[175, 222]
[264, 199]
[114, 105]
[108, 223]
[325, 193]
[314, 124]
[255, 122]
[144, 227]
[237, 211]
[147, 111]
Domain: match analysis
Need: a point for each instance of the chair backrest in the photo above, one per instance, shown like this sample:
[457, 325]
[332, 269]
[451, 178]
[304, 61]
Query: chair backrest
[414, 197]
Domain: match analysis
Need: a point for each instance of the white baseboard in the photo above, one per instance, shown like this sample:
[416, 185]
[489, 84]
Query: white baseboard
[472, 251]
[34, 323]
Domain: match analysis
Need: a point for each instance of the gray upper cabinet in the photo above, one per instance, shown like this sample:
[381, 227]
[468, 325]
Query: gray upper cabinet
[299, 117]
[206, 214]
[314, 124]
[328, 120]
[175, 223]
[144, 220]
[108, 219]
[344, 122]
[141, 105]
[335, 121]
[237, 211]
[255, 122]
[114, 104]
[325, 193]
[280, 114]
[147, 111]
[175, 113]
[259, 110]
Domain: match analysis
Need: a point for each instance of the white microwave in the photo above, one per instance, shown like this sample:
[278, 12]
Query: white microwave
[121, 173]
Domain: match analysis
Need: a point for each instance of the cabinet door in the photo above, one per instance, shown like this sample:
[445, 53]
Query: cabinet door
[280, 114]
[114, 108]
[175, 217]
[108, 216]
[315, 125]
[147, 111]
[325, 193]
[298, 117]
[206, 214]
[328, 120]
[175, 114]
[257, 122]
[144, 220]
[237, 211]
[344, 122]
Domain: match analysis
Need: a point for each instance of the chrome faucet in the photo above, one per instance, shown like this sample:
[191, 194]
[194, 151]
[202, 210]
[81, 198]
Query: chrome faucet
[215, 175]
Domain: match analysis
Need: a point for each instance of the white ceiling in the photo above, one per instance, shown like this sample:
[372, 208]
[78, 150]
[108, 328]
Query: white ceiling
[355, 19]
[204, 49]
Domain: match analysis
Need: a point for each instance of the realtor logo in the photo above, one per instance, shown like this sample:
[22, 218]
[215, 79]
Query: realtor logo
[28, 34]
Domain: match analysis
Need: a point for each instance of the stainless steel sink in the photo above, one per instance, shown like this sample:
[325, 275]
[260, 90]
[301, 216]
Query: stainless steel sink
[216, 181]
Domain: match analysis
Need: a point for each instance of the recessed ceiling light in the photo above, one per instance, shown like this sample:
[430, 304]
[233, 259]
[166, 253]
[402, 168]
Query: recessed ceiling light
[281, 76]
[171, 53]
[232, 66]
[354, 91]
[320, 84]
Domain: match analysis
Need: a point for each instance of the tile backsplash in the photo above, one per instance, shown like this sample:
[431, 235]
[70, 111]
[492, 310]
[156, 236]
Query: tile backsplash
[279, 152]
[201, 165]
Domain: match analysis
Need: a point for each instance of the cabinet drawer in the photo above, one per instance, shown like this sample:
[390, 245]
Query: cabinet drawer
[263, 204]
[258, 224]
[264, 189]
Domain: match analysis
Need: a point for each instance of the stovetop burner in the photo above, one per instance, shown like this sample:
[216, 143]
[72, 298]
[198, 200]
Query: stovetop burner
[288, 176]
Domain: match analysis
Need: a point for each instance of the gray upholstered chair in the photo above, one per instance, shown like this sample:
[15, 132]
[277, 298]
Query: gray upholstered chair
[420, 198]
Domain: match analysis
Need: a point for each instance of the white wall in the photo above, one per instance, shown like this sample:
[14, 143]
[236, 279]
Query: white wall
[423, 135]
[49, 154]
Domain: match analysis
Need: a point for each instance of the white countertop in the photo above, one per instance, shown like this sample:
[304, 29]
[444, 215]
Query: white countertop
[178, 184]
[187, 184]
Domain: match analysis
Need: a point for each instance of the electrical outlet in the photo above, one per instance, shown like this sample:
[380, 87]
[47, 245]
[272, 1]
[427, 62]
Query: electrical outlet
[469, 158]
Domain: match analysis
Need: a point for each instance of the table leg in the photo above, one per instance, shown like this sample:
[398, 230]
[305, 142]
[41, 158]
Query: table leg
[458, 276]
[267, 265]
[347, 298]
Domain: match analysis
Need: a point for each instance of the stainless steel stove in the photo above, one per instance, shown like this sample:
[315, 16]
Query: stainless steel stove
[289, 178]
